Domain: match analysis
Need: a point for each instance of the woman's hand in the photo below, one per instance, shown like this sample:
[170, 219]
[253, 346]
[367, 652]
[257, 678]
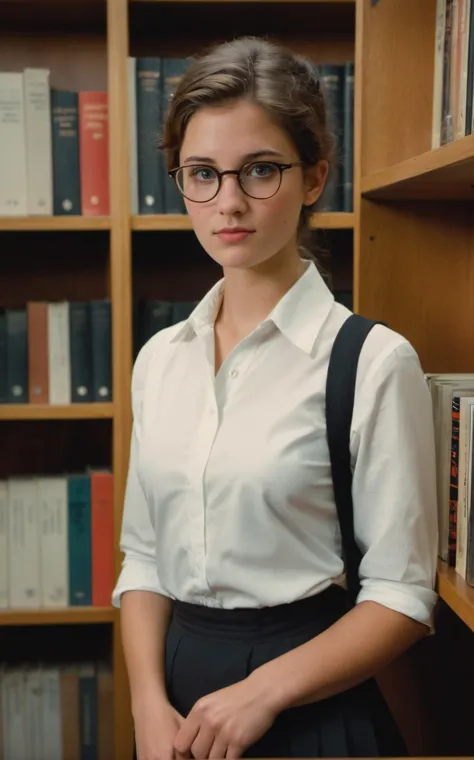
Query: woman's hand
[156, 726]
[224, 724]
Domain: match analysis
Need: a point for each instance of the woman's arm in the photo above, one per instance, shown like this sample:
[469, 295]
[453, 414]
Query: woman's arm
[144, 621]
[356, 647]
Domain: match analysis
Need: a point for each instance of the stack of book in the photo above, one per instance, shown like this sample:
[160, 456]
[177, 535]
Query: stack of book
[56, 541]
[56, 712]
[56, 353]
[54, 148]
[453, 71]
[453, 412]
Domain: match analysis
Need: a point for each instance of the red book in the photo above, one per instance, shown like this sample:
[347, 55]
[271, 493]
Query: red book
[94, 153]
[102, 524]
[38, 369]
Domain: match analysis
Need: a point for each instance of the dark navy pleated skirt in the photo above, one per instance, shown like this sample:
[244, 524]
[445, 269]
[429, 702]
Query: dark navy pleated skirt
[208, 649]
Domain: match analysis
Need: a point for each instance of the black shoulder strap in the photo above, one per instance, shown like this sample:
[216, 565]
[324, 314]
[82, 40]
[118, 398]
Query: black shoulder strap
[340, 392]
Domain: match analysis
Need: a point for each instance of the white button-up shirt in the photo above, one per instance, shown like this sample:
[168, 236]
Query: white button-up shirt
[229, 499]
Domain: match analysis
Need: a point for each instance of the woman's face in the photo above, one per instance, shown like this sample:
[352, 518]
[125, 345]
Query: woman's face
[227, 137]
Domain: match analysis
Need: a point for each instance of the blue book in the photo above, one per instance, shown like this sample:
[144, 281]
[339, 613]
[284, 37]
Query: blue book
[65, 146]
[79, 540]
[88, 707]
[150, 161]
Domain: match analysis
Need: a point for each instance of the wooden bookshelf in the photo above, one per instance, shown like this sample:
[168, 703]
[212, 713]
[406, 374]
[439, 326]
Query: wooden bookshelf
[53, 223]
[176, 222]
[75, 615]
[51, 412]
[443, 174]
[454, 590]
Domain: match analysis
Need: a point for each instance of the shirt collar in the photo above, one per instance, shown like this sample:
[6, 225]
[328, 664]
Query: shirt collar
[299, 314]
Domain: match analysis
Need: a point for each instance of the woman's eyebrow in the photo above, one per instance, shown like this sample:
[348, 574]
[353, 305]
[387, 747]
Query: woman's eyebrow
[247, 157]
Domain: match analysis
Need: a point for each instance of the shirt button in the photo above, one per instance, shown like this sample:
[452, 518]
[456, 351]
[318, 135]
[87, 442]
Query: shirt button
[234, 373]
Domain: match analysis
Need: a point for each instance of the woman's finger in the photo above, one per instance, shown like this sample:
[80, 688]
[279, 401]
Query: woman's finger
[202, 744]
[218, 750]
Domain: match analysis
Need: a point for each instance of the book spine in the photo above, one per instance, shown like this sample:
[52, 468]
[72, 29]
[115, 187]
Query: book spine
[70, 714]
[470, 497]
[94, 153]
[149, 118]
[88, 713]
[13, 172]
[24, 545]
[80, 346]
[79, 540]
[348, 136]
[3, 358]
[438, 74]
[4, 601]
[53, 505]
[34, 713]
[17, 356]
[463, 53]
[101, 332]
[132, 132]
[102, 508]
[59, 364]
[38, 379]
[39, 159]
[105, 711]
[65, 141]
[52, 742]
[172, 72]
[453, 485]
[470, 72]
[446, 127]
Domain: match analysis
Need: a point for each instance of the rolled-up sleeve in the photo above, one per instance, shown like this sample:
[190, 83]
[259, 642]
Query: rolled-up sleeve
[394, 487]
[138, 541]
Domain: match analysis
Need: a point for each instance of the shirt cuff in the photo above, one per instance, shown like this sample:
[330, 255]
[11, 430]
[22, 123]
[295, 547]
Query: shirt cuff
[416, 602]
[136, 575]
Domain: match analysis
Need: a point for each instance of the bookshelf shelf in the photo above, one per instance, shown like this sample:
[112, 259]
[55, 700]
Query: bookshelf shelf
[456, 593]
[50, 412]
[444, 174]
[57, 616]
[52, 223]
[145, 222]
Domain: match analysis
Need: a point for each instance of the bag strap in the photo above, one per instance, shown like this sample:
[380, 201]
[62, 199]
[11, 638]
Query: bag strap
[340, 393]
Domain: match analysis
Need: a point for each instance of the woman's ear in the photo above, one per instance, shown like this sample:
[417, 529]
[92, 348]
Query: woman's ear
[315, 178]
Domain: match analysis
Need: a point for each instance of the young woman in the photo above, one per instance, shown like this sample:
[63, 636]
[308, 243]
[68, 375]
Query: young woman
[236, 632]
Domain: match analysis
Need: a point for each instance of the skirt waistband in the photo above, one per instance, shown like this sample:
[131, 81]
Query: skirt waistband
[320, 610]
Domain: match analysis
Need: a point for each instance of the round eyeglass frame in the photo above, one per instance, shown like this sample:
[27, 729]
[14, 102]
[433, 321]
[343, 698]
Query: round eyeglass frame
[281, 168]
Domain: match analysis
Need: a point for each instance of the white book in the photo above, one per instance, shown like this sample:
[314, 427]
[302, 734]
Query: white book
[464, 23]
[5, 752]
[59, 359]
[16, 712]
[462, 517]
[52, 729]
[39, 158]
[34, 713]
[132, 132]
[53, 510]
[3, 545]
[13, 177]
[23, 533]
[438, 73]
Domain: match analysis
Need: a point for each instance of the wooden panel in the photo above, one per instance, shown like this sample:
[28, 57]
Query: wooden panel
[416, 273]
[47, 412]
[43, 447]
[329, 221]
[74, 615]
[53, 223]
[53, 266]
[77, 62]
[456, 593]
[397, 87]
[323, 32]
[446, 173]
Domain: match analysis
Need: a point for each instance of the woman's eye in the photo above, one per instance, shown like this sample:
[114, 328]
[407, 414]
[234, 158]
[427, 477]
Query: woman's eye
[203, 174]
[261, 171]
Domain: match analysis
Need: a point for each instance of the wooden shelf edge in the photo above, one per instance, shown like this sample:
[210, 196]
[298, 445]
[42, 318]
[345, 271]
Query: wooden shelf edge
[50, 412]
[314, 2]
[456, 593]
[75, 615]
[53, 223]
[178, 222]
[419, 167]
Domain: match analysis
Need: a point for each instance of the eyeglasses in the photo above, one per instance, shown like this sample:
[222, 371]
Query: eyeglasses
[259, 179]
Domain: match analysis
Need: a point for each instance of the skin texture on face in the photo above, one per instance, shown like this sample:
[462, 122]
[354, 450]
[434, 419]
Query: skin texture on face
[226, 136]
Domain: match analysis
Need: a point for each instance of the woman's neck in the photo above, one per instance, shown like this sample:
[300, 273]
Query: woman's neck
[251, 294]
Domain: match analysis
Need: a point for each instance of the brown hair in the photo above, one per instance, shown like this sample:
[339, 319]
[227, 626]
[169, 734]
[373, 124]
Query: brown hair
[285, 84]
